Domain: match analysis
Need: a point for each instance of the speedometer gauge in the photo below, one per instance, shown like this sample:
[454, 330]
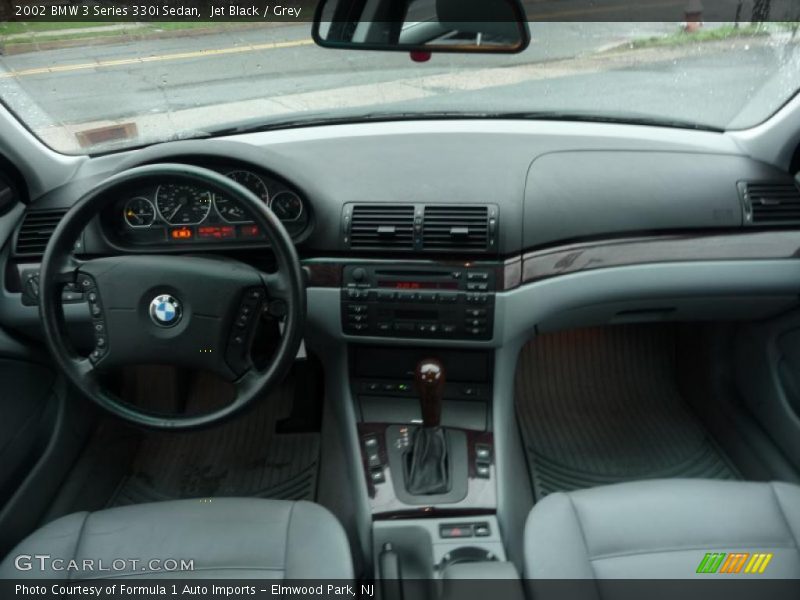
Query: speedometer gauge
[287, 206]
[182, 204]
[139, 212]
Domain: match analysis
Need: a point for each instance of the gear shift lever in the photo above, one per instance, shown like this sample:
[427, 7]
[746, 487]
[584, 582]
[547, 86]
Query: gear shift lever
[429, 379]
[427, 470]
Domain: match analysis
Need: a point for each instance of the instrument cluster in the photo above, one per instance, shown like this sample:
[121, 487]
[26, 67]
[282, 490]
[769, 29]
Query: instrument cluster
[177, 212]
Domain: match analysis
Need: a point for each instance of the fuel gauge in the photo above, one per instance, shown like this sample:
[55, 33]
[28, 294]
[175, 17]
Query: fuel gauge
[139, 212]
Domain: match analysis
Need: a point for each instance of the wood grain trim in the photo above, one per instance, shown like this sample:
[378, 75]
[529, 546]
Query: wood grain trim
[324, 274]
[576, 258]
[510, 275]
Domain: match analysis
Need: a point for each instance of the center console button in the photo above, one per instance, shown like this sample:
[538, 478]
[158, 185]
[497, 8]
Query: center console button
[475, 322]
[483, 452]
[456, 530]
[477, 276]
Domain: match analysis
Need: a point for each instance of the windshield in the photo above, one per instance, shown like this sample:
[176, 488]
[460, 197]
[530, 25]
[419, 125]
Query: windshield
[94, 87]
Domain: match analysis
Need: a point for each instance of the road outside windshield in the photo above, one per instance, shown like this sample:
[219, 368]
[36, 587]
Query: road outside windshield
[94, 87]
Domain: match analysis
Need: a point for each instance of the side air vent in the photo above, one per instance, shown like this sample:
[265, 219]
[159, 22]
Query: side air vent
[380, 226]
[35, 231]
[770, 203]
[459, 228]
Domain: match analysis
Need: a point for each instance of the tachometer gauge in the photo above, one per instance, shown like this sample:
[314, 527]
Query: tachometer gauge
[252, 182]
[287, 206]
[182, 204]
[139, 212]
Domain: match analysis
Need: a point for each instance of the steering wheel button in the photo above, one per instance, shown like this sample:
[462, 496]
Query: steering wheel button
[101, 342]
[99, 326]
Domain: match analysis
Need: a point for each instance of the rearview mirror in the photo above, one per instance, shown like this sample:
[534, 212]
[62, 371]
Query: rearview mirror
[491, 26]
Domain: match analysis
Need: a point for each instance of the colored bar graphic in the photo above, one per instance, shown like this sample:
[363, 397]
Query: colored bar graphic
[711, 562]
[734, 563]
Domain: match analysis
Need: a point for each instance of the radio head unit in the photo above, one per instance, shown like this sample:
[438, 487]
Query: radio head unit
[418, 302]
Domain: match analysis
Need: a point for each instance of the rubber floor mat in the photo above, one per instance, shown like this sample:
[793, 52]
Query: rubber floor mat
[244, 457]
[599, 406]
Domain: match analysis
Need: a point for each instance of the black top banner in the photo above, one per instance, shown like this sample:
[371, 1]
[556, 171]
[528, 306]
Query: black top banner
[105, 11]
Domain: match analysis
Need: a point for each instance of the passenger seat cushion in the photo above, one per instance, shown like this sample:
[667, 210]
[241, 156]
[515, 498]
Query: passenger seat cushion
[661, 528]
[256, 538]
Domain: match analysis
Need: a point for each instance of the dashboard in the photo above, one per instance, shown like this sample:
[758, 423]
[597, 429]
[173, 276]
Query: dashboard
[421, 191]
[459, 233]
[176, 213]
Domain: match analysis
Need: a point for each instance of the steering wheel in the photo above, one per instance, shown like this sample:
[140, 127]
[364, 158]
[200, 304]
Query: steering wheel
[198, 312]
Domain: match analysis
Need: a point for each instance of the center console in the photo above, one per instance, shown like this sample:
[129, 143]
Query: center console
[427, 452]
[423, 414]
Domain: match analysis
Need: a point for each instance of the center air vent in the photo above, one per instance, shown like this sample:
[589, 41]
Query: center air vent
[770, 203]
[36, 229]
[459, 228]
[380, 226]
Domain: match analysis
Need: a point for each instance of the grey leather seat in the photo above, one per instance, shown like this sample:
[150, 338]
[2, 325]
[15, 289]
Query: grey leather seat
[662, 529]
[243, 537]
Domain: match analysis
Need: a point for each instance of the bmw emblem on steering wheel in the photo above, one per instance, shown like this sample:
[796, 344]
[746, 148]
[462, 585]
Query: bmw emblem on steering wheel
[165, 311]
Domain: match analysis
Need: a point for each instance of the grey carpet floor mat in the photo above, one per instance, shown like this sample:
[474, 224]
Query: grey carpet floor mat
[244, 457]
[599, 406]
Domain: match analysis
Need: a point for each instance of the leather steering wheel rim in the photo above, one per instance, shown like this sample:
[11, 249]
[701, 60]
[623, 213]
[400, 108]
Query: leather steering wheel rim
[59, 267]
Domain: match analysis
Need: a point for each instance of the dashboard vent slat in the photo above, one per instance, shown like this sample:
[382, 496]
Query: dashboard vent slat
[770, 203]
[35, 231]
[389, 227]
[457, 228]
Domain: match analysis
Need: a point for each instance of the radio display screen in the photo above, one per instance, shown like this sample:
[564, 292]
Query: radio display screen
[419, 285]
[419, 315]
